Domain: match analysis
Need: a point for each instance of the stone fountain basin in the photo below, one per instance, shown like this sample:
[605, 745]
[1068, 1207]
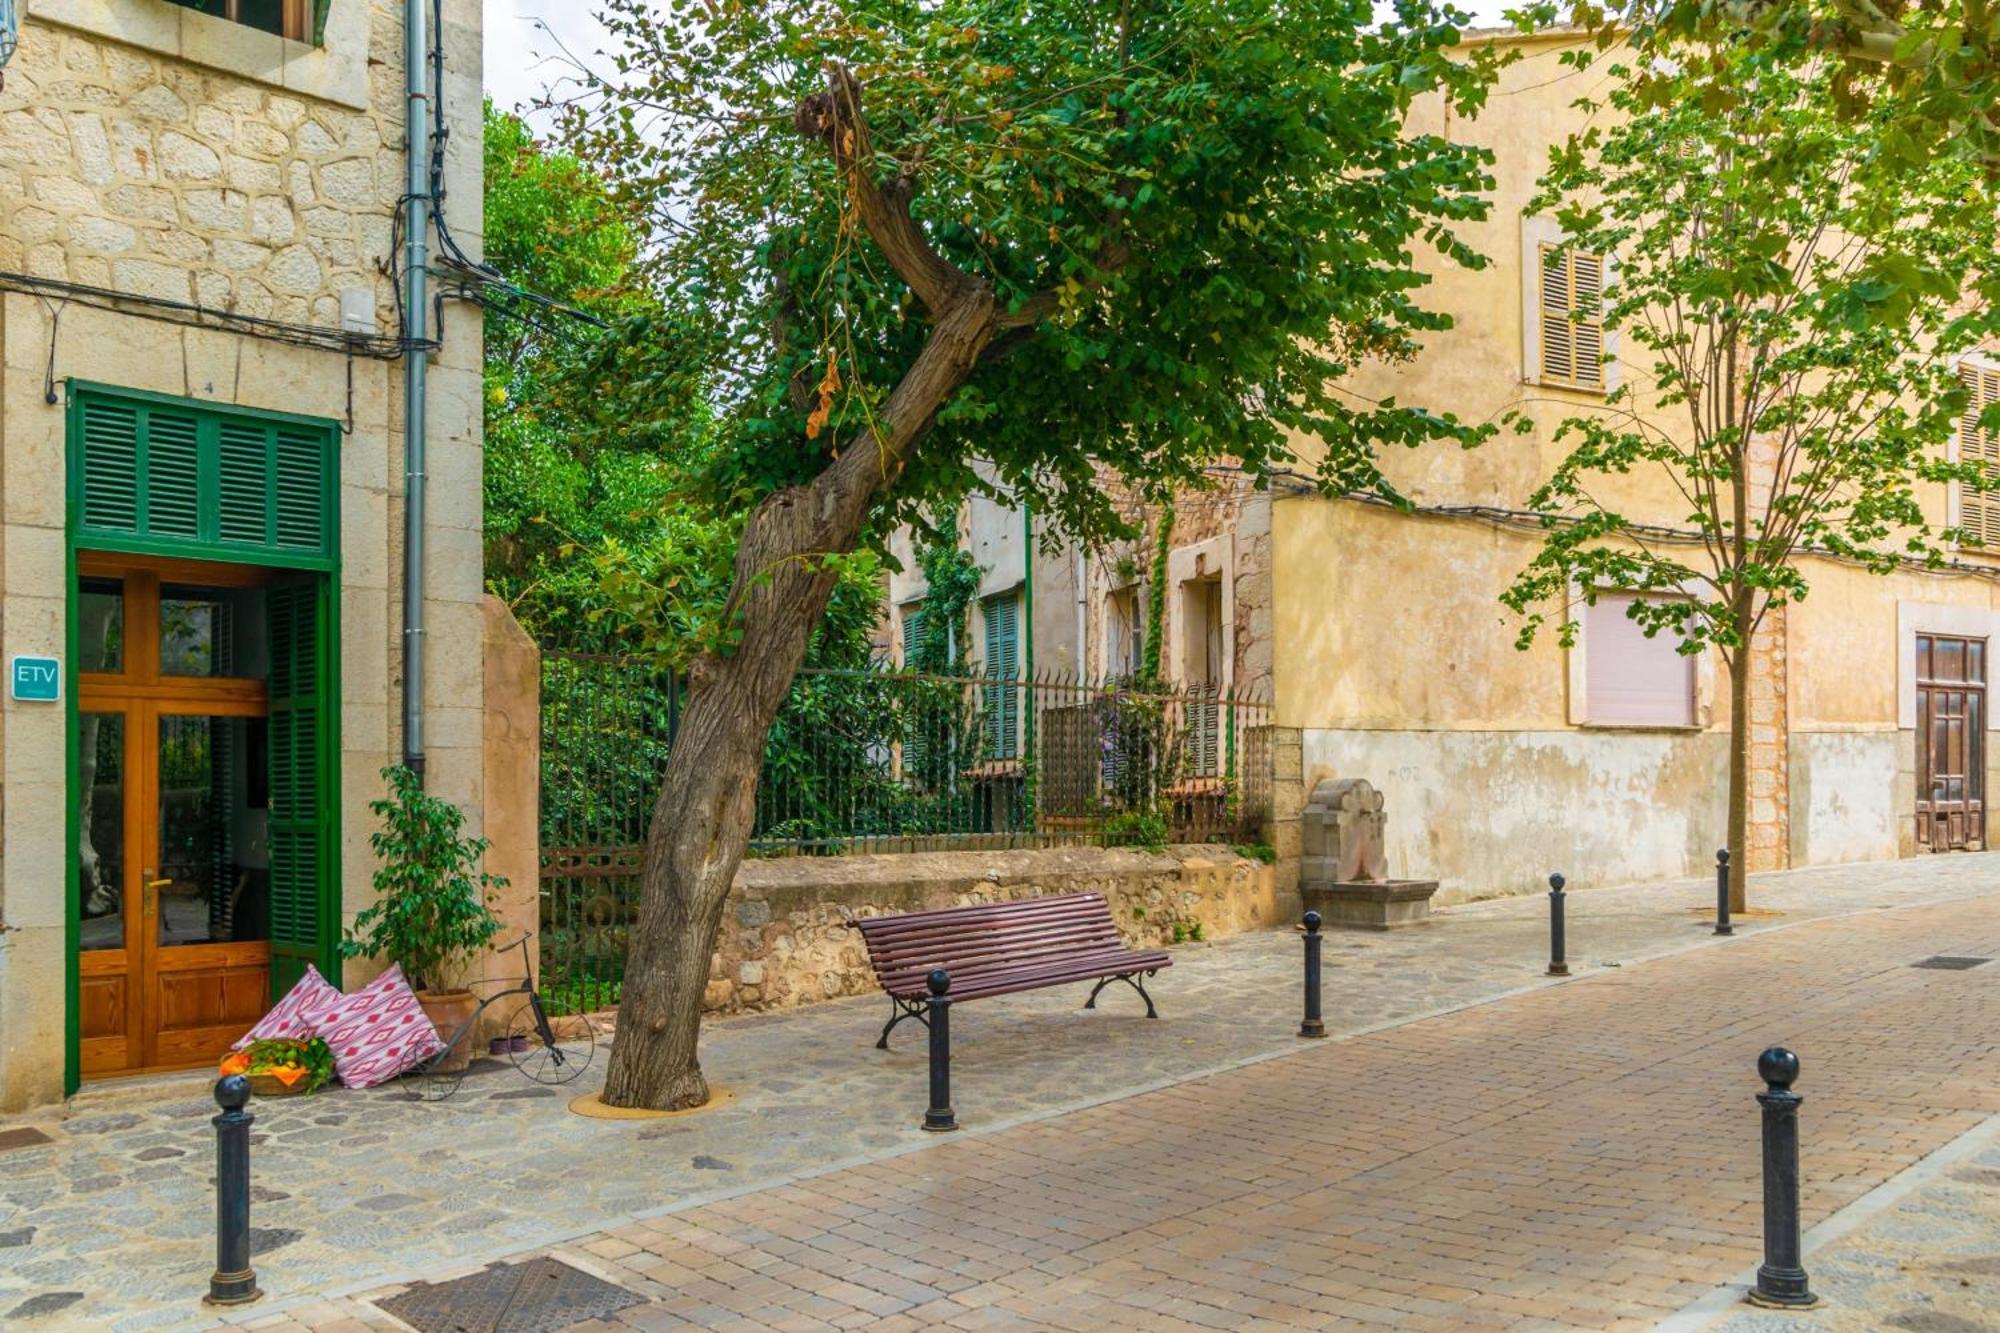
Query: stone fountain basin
[1379, 904]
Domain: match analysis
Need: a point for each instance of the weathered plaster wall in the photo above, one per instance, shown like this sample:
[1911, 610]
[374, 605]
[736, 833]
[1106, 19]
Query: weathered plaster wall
[163, 153]
[1852, 794]
[1494, 812]
[785, 940]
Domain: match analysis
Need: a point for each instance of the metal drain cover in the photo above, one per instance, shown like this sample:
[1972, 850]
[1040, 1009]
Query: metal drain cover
[1947, 963]
[536, 1296]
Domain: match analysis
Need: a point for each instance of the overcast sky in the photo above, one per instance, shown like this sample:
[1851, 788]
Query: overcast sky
[520, 50]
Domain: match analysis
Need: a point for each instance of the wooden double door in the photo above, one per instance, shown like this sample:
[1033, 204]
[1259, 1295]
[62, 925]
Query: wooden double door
[171, 874]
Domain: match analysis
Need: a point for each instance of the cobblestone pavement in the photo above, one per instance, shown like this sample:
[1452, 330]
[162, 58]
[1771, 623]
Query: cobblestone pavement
[360, 1189]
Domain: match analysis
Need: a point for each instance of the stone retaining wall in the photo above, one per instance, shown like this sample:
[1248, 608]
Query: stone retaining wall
[785, 940]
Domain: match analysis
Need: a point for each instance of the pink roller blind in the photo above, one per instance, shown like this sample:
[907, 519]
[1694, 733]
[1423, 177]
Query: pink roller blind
[1628, 677]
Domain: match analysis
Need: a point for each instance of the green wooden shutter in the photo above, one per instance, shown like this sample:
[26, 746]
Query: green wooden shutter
[180, 477]
[1003, 662]
[302, 920]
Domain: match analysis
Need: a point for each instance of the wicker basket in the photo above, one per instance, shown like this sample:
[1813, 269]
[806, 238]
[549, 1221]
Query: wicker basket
[270, 1085]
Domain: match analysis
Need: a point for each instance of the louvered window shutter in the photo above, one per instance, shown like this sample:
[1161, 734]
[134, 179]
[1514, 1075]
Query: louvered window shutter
[1979, 511]
[1003, 663]
[1572, 317]
[913, 636]
[191, 480]
[300, 927]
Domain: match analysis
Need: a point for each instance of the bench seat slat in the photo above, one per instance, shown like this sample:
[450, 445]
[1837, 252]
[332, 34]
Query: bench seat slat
[1034, 978]
[914, 974]
[993, 943]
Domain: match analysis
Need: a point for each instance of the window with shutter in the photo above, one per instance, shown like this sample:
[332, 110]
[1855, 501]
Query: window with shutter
[301, 897]
[1629, 679]
[1003, 663]
[1571, 296]
[1979, 511]
[165, 476]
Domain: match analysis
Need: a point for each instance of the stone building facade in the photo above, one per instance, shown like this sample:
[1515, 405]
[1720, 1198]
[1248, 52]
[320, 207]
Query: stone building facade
[1379, 636]
[202, 483]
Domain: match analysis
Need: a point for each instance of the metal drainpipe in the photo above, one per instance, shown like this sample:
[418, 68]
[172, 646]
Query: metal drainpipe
[416, 305]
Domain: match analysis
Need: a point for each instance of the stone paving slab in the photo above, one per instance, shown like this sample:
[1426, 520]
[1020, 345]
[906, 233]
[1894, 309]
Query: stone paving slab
[359, 1188]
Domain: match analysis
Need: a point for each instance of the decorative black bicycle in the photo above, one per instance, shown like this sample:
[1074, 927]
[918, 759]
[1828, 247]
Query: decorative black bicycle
[548, 1041]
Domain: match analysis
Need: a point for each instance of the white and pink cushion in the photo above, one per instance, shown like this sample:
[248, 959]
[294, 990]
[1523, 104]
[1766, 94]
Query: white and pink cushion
[298, 1015]
[378, 1032]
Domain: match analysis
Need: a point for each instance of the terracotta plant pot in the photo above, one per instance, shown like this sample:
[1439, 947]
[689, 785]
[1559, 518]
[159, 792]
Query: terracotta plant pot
[449, 1012]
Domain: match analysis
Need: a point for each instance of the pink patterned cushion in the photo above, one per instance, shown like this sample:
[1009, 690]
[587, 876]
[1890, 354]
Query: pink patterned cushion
[297, 1015]
[378, 1032]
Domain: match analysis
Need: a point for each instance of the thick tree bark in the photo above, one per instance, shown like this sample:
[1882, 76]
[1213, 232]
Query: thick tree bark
[702, 820]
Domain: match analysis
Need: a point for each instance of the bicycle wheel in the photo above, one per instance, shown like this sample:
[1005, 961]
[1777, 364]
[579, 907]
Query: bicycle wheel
[425, 1082]
[553, 1046]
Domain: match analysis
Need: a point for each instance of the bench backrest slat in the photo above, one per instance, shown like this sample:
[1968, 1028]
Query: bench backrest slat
[988, 937]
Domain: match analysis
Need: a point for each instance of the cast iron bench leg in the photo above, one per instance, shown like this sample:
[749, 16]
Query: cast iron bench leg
[1131, 979]
[903, 1009]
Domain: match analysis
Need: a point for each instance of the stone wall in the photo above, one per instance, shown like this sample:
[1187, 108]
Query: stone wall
[164, 153]
[786, 940]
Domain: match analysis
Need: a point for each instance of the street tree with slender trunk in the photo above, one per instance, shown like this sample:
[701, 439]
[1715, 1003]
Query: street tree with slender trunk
[1050, 234]
[1794, 285]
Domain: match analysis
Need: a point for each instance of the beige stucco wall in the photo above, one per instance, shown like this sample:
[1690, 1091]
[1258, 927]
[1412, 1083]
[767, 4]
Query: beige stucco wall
[1490, 785]
[154, 151]
[1397, 661]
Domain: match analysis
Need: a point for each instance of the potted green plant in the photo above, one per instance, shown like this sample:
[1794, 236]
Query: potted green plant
[430, 913]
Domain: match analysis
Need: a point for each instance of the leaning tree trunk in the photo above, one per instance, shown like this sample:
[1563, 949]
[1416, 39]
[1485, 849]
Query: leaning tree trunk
[702, 821]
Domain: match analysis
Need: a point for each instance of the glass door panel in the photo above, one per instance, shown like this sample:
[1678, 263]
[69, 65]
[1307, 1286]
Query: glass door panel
[210, 964]
[100, 886]
[100, 625]
[212, 857]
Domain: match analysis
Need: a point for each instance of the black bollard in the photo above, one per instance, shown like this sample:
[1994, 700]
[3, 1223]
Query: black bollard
[1312, 1027]
[233, 1282]
[1781, 1280]
[1558, 964]
[1722, 926]
[939, 1118]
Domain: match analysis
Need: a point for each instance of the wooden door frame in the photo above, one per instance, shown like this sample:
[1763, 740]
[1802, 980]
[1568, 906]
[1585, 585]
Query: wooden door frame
[132, 534]
[142, 695]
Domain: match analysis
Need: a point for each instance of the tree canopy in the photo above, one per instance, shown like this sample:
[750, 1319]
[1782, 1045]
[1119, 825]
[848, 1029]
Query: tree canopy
[1193, 215]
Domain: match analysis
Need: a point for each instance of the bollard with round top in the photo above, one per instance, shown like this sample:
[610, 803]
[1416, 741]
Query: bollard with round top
[233, 1282]
[939, 1117]
[1722, 926]
[1313, 1026]
[1558, 963]
[1781, 1278]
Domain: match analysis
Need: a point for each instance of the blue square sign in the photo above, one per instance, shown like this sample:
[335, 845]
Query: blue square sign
[36, 679]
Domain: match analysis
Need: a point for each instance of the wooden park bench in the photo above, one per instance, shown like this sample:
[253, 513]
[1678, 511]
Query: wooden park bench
[1000, 948]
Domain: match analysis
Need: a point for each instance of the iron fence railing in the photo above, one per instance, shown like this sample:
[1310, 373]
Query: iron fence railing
[882, 761]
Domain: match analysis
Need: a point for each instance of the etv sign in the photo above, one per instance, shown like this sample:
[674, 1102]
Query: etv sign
[36, 679]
